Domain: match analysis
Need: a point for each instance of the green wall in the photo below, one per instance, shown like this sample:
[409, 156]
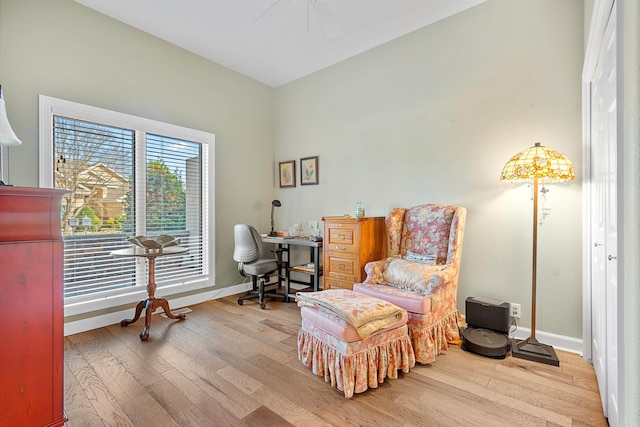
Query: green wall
[629, 360]
[62, 49]
[432, 117]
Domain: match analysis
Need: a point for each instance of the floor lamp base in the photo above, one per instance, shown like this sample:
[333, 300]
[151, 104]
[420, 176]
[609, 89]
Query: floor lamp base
[531, 349]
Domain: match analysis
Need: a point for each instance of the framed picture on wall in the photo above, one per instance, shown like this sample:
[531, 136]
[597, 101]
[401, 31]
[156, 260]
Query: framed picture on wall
[309, 170]
[287, 173]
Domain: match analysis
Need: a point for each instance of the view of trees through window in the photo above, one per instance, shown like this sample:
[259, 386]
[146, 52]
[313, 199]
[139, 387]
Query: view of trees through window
[166, 198]
[97, 164]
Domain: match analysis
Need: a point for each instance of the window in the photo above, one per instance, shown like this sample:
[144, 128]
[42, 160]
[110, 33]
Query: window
[126, 176]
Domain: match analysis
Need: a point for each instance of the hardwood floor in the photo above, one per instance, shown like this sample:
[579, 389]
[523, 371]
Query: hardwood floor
[231, 365]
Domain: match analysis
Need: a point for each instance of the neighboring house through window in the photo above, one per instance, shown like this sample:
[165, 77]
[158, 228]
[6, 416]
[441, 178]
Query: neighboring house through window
[126, 176]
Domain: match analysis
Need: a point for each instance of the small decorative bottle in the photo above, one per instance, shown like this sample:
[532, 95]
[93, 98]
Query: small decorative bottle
[360, 209]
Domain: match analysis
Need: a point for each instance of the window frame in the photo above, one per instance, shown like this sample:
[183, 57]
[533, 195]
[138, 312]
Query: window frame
[50, 107]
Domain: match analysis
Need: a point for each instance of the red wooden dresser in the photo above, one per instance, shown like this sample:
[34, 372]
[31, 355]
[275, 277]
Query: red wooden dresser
[31, 308]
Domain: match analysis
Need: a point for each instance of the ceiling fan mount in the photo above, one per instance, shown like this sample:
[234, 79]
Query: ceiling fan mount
[311, 4]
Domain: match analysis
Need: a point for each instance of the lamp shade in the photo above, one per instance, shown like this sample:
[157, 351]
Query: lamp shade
[544, 163]
[7, 135]
[274, 204]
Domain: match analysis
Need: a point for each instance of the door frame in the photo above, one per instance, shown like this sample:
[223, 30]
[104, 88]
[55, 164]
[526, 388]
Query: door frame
[601, 12]
[600, 18]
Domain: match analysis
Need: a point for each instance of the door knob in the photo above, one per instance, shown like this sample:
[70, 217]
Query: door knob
[597, 244]
[612, 257]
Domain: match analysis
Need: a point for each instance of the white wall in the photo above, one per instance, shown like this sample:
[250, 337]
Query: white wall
[433, 117]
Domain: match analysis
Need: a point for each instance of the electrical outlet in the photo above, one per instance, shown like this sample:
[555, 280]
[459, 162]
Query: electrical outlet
[516, 309]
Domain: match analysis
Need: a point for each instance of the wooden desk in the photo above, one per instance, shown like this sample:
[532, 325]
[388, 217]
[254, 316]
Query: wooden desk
[151, 303]
[284, 244]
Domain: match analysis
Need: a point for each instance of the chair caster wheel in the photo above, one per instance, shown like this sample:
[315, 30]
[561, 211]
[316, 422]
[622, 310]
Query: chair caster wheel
[240, 302]
[263, 305]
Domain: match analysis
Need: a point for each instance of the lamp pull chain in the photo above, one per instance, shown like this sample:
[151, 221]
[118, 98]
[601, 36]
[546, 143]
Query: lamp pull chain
[545, 212]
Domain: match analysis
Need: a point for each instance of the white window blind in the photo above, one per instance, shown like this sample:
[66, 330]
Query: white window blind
[173, 201]
[96, 164]
[125, 178]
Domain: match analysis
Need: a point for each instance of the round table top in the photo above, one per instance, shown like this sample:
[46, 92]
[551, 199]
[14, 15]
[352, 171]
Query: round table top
[138, 251]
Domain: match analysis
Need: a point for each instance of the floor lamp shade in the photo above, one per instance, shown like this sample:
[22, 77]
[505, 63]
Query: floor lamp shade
[537, 164]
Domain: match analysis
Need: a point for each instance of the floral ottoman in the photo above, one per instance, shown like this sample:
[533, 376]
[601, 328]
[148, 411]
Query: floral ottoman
[354, 341]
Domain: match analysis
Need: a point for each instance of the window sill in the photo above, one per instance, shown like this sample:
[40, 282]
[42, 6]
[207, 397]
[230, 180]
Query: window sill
[110, 302]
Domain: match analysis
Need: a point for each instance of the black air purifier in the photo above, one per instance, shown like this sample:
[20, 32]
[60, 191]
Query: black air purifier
[487, 327]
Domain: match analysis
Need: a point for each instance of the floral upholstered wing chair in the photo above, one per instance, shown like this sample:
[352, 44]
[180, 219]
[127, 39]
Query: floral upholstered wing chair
[421, 274]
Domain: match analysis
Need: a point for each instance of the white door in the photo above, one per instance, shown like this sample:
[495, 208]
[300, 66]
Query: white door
[611, 220]
[604, 288]
[598, 233]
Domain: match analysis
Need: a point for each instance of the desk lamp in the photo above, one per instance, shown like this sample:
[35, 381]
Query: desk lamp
[7, 135]
[533, 165]
[273, 205]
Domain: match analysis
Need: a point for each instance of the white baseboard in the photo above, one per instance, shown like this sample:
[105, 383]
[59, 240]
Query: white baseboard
[114, 318]
[559, 342]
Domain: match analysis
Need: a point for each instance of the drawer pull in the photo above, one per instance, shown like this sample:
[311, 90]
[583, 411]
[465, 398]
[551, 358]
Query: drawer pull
[340, 236]
[341, 266]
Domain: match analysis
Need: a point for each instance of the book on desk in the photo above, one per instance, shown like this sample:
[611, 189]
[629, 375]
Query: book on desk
[306, 268]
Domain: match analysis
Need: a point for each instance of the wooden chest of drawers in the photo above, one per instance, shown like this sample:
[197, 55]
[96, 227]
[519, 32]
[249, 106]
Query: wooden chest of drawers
[349, 244]
[32, 307]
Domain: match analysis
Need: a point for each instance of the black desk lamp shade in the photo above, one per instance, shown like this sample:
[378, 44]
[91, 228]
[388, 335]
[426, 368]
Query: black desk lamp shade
[275, 203]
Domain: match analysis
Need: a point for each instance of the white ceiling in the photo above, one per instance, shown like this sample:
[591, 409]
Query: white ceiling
[278, 41]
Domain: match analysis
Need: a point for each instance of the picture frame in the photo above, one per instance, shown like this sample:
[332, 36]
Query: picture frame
[309, 173]
[287, 173]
